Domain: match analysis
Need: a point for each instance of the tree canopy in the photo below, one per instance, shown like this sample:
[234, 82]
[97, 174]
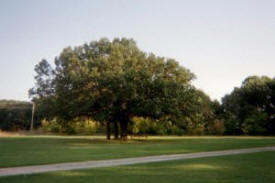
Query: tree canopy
[250, 109]
[113, 81]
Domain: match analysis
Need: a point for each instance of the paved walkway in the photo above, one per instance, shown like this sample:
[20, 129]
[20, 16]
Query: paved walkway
[125, 161]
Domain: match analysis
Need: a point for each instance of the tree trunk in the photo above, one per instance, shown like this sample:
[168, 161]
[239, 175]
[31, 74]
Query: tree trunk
[124, 129]
[108, 131]
[116, 130]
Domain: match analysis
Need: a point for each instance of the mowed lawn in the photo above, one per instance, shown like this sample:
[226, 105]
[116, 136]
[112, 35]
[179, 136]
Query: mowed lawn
[245, 168]
[35, 150]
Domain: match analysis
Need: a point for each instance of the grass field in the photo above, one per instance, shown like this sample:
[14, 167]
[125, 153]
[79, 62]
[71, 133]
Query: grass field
[34, 150]
[245, 168]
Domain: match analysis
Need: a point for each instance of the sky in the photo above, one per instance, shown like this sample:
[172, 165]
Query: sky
[221, 41]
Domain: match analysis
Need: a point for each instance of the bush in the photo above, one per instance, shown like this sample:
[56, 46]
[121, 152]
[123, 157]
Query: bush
[217, 128]
[86, 127]
[194, 128]
[51, 126]
[147, 126]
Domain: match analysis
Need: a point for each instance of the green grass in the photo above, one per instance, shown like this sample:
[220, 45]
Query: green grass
[245, 168]
[34, 150]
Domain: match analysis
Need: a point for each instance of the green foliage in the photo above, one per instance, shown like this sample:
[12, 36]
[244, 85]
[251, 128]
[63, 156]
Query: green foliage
[51, 126]
[217, 128]
[194, 128]
[204, 117]
[15, 115]
[76, 126]
[255, 123]
[250, 109]
[112, 81]
[146, 126]
[13, 104]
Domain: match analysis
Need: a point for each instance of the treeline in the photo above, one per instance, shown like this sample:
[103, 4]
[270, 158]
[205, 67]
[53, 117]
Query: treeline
[250, 109]
[15, 115]
[114, 87]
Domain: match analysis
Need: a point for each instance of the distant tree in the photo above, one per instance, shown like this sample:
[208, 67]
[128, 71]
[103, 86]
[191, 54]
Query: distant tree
[112, 81]
[250, 108]
[15, 115]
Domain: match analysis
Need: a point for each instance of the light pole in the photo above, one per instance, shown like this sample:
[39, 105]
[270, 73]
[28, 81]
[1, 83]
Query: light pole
[33, 108]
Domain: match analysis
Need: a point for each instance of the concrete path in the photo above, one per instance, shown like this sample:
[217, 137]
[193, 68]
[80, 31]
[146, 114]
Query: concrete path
[126, 161]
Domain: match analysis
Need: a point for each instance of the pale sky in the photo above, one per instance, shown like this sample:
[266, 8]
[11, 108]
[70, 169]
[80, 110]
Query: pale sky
[221, 41]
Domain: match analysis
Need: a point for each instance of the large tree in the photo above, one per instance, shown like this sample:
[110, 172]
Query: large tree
[250, 109]
[112, 81]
